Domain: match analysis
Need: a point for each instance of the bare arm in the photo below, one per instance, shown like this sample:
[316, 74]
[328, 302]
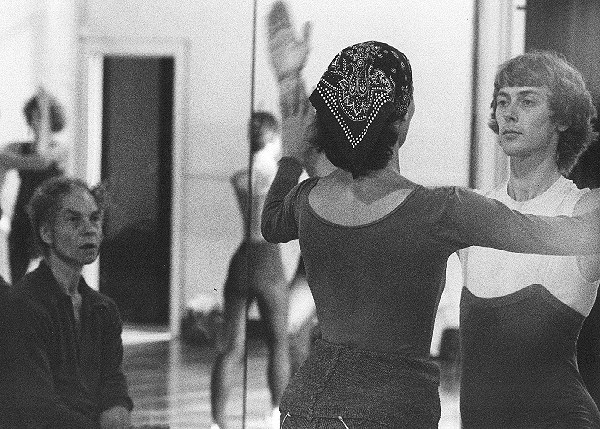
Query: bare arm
[11, 157]
[589, 266]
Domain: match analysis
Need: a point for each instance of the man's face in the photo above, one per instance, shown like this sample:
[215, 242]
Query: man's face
[76, 233]
[524, 124]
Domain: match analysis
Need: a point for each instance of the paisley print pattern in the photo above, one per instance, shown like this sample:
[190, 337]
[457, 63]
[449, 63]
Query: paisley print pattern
[362, 86]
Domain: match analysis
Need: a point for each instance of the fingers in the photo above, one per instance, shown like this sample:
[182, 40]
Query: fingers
[278, 18]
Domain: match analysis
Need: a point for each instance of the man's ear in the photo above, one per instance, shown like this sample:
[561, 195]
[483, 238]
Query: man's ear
[562, 127]
[46, 234]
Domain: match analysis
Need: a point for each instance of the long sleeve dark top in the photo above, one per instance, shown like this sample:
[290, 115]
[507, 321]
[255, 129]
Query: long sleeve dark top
[59, 373]
[377, 285]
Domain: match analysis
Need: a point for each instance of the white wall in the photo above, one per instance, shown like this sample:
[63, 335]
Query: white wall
[37, 47]
[436, 36]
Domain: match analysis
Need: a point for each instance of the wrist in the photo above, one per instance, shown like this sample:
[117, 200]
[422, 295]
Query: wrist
[289, 77]
[291, 161]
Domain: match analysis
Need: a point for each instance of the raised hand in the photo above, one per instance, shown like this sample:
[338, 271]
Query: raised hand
[297, 134]
[288, 53]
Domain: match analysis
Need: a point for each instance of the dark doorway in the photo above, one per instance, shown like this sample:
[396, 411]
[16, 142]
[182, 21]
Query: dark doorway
[136, 167]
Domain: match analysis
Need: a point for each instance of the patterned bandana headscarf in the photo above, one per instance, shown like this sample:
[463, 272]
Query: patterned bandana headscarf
[361, 88]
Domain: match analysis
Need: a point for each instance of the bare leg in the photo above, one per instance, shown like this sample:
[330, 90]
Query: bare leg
[230, 359]
[301, 319]
[273, 306]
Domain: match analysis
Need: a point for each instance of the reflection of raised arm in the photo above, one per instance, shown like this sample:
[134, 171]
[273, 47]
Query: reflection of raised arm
[288, 55]
[471, 219]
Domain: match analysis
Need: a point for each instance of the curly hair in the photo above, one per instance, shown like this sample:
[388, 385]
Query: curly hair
[57, 114]
[46, 202]
[569, 100]
[330, 140]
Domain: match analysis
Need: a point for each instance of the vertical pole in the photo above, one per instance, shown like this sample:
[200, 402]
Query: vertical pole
[249, 216]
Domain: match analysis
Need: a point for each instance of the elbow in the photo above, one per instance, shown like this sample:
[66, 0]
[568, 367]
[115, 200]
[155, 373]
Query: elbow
[267, 233]
[271, 233]
[266, 226]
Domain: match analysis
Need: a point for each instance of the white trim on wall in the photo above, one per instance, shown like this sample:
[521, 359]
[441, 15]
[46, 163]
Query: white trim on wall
[88, 158]
[501, 37]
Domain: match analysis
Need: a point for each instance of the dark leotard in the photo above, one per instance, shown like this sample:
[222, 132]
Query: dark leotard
[518, 363]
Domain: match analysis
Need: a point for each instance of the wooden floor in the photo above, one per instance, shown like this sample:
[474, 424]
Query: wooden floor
[169, 382]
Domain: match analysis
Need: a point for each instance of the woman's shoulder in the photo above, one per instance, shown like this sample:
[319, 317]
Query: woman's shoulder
[444, 192]
[306, 185]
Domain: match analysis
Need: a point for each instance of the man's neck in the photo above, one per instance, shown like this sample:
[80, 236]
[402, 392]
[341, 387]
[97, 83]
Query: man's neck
[66, 275]
[530, 178]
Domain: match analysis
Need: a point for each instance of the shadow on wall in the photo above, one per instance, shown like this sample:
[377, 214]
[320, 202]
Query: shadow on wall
[135, 270]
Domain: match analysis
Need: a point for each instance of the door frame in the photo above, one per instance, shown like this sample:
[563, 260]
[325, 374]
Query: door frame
[88, 155]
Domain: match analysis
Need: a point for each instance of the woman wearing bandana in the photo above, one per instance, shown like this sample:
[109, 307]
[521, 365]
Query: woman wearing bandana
[375, 247]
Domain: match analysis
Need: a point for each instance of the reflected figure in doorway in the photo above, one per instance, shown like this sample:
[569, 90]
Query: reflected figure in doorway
[38, 159]
[256, 271]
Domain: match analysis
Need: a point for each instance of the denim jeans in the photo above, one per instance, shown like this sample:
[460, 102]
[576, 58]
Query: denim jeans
[296, 422]
[345, 387]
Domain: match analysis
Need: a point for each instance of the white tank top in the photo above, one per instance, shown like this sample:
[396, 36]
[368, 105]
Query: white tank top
[491, 273]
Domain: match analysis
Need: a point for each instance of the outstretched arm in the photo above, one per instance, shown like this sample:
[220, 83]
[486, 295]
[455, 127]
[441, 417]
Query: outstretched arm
[12, 157]
[470, 219]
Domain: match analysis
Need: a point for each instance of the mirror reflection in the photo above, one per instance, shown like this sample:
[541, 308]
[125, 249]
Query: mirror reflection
[188, 112]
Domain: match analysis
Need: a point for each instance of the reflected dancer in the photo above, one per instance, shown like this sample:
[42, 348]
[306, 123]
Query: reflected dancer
[255, 272]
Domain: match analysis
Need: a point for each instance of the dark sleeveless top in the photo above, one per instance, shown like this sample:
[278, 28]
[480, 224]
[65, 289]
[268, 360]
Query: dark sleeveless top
[31, 179]
[519, 363]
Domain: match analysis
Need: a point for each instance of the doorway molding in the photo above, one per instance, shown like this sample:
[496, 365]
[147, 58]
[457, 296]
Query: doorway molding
[88, 155]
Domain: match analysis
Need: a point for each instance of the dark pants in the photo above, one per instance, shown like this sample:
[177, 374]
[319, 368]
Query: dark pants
[20, 247]
[345, 387]
[588, 352]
